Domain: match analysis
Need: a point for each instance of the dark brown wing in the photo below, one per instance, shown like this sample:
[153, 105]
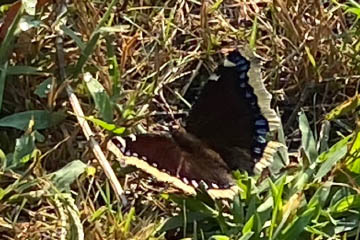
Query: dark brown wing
[227, 116]
[222, 115]
[174, 158]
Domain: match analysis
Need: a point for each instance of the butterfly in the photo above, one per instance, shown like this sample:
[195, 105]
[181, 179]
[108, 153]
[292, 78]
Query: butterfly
[226, 130]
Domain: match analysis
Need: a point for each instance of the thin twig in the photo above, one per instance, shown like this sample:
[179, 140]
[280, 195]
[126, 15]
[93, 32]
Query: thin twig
[95, 146]
[193, 75]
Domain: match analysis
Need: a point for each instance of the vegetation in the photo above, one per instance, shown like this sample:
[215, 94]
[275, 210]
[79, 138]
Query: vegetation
[127, 66]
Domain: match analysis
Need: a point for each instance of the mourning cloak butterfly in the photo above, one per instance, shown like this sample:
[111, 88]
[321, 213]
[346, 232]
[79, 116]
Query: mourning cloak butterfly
[226, 130]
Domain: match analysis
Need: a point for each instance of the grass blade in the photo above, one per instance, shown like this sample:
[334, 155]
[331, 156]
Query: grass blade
[307, 138]
[331, 157]
[298, 226]
[90, 46]
[100, 97]
[43, 119]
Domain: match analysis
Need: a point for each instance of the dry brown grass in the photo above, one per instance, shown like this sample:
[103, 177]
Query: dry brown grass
[308, 51]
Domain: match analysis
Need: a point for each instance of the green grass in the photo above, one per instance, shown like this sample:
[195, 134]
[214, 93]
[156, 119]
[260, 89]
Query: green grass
[130, 63]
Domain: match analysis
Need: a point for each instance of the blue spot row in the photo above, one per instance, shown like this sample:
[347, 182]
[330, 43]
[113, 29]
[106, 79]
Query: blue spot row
[261, 125]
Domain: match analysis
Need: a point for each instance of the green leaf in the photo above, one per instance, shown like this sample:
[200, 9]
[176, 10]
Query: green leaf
[310, 56]
[195, 204]
[347, 203]
[2, 159]
[238, 210]
[67, 175]
[353, 158]
[251, 210]
[43, 88]
[2, 82]
[294, 230]
[100, 97]
[321, 195]
[43, 119]
[73, 35]
[128, 221]
[215, 6]
[219, 237]
[331, 157]
[249, 225]
[24, 70]
[307, 138]
[265, 205]
[178, 221]
[107, 126]
[281, 158]
[355, 11]
[354, 3]
[98, 214]
[304, 177]
[6, 45]
[247, 236]
[76, 226]
[114, 69]
[91, 44]
[277, 192]
[338, 195]
[253, 34]
[346, 107]
[355, 166]
[324, 136]
[24, 149]
[86, 53]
